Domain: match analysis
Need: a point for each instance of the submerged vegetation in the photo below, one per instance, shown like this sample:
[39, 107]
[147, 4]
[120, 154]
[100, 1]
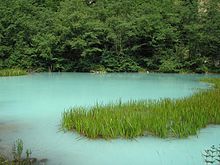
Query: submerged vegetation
[17, 153]
[12, 72]
[212, 155]
[164, 118]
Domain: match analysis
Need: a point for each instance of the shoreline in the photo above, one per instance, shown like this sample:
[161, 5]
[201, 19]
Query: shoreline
[98, 72]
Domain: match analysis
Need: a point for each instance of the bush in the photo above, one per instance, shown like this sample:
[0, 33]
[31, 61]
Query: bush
[169, 66]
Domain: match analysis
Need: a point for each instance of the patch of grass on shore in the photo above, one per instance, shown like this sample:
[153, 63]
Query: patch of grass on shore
[12, 72]
[164, 118]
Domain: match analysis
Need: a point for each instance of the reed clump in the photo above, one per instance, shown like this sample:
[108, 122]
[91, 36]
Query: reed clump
[164, 118]
[12, 72]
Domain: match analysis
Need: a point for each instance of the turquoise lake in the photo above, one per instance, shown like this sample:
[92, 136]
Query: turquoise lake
[31, 107]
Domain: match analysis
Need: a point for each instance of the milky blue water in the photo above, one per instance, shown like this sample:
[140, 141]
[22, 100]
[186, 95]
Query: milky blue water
[31, 107]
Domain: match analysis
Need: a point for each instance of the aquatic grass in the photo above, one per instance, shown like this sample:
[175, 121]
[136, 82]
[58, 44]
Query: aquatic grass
[212, 155]
[164, 118]
[17, 152]
[12, 72]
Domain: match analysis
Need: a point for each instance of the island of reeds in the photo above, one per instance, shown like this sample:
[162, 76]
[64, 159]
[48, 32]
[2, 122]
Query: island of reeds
[165, 118]
[12, 72]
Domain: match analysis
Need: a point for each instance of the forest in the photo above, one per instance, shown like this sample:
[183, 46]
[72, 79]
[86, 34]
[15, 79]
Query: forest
[175, 36]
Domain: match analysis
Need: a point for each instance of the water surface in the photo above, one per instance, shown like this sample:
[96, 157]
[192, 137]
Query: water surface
[31, 107]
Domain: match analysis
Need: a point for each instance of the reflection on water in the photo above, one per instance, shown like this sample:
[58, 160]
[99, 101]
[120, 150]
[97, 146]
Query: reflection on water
[31, 107]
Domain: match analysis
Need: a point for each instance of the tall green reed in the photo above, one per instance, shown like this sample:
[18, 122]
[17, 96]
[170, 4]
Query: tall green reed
[12, 72]
[164, 118]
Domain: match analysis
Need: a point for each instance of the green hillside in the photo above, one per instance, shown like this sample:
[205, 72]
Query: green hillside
[110, 35]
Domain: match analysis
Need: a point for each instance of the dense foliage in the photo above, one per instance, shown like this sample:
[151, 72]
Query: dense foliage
[110, 35]
[164, 118]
